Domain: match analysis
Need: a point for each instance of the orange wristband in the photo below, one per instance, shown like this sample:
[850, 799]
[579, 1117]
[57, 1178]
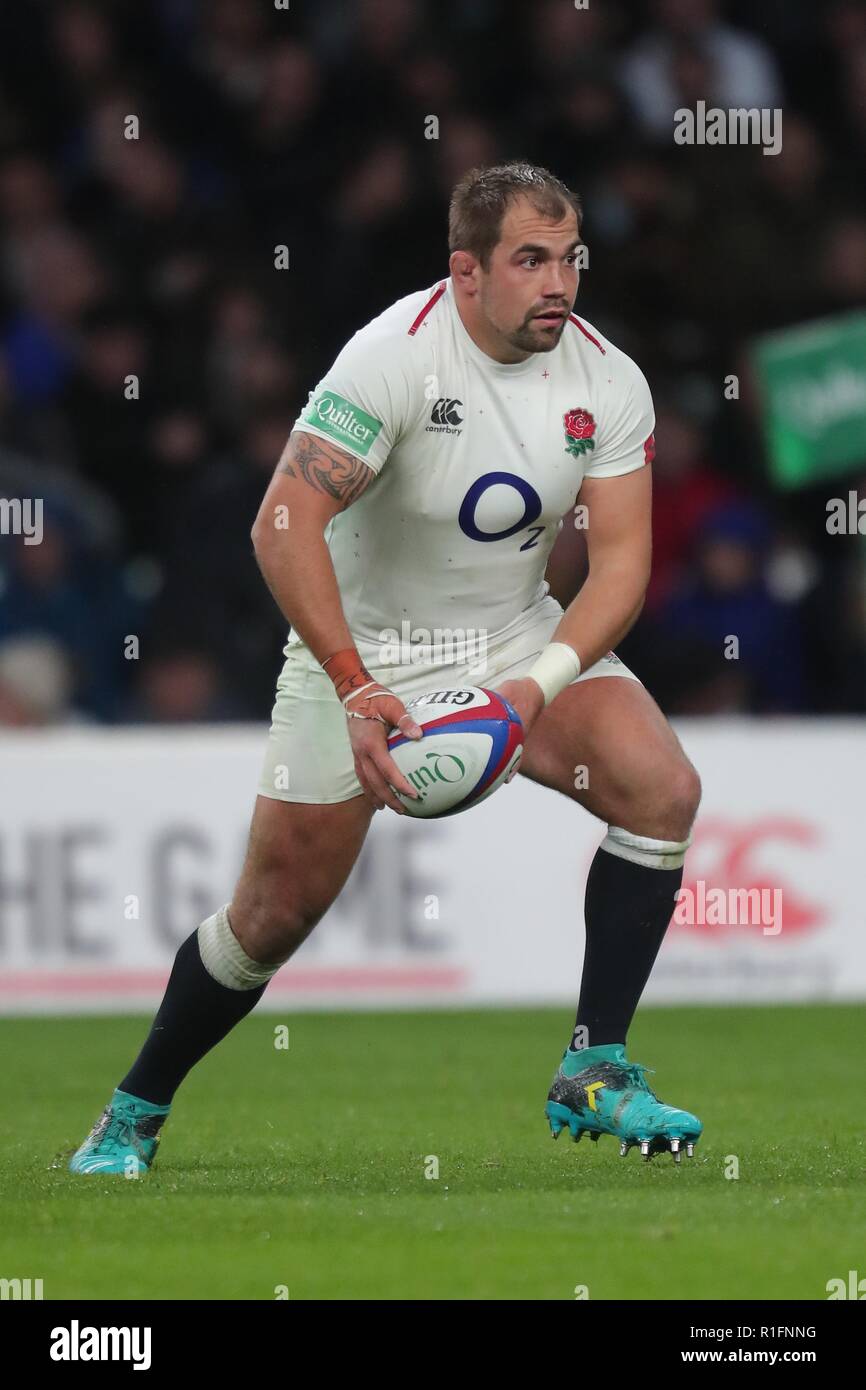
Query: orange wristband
[347, 671]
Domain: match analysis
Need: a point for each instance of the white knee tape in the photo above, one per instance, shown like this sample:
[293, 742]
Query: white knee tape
[224, 957]
[642, 849]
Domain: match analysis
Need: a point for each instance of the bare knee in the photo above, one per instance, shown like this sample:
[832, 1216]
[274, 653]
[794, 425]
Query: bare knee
[682, 797]
[271, 916]
[297, 861]
[662, 805]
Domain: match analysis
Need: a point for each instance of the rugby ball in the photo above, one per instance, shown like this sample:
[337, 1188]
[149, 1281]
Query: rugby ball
[473, 740]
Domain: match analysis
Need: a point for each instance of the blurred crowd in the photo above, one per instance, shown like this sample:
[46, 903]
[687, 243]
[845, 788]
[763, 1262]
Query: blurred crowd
[153, 359]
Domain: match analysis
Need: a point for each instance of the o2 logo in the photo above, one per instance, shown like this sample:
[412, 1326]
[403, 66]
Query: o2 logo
[531, 509]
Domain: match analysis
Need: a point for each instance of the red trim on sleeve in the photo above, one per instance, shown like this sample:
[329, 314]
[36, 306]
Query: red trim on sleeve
[572, 318]
[434, 299]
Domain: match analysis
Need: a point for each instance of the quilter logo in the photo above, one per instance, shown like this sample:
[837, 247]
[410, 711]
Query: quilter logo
[344, 422]
[442, 767]
[77, 1343]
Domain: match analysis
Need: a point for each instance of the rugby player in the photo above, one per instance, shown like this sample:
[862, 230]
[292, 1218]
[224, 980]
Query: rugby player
[426, 480]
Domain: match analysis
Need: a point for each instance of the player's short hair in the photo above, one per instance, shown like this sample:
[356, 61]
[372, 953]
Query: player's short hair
[482, 197]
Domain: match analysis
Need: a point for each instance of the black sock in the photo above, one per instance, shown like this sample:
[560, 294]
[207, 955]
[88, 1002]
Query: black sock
[628, 909]
[195, 1014]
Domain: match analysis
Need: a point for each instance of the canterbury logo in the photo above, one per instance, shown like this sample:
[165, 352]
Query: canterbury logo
[445, 412]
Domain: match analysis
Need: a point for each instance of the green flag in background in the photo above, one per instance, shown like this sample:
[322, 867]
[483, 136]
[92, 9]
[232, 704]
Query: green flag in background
[813, 384]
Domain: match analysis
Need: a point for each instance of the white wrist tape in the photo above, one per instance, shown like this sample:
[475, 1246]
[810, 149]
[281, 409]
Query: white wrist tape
[557, 667]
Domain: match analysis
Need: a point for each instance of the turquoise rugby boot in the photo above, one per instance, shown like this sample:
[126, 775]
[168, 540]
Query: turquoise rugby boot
[598, 1091]
[124, 1139]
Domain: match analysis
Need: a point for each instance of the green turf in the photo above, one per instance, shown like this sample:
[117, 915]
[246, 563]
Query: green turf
[306, 1167]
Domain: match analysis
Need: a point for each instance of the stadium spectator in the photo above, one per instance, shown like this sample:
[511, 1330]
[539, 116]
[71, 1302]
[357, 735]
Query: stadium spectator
[153, 257]
[726, 607]
[35, 683]
[686, 490]
[179, 684]
[744, 73]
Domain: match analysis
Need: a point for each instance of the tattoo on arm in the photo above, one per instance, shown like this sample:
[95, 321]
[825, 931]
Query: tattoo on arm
[325, 467]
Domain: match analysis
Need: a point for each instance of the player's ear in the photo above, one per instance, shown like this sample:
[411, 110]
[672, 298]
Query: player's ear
[463, 266]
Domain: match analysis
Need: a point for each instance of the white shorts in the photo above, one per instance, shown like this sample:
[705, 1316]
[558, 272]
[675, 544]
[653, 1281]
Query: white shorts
[309, 756]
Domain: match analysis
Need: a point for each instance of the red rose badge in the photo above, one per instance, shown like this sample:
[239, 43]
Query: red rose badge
[579, 429]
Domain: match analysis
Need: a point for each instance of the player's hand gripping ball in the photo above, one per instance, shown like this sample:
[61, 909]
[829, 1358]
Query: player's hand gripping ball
[473, 741]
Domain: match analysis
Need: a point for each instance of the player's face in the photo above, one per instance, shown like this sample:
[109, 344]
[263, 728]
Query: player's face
[529, 287]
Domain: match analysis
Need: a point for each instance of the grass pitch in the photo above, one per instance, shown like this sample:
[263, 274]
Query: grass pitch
[305, 1168]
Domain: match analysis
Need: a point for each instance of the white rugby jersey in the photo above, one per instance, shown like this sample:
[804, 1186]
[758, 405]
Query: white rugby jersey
[476, 463]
